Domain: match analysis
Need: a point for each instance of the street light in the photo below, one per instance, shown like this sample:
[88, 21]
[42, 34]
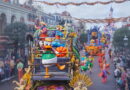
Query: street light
[125, 41]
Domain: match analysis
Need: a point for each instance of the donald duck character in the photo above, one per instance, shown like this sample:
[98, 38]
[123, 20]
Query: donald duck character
[49, 57]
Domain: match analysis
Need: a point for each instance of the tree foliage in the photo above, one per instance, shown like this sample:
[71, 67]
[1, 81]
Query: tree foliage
[83, 38]
[17, 31]
[82, 27]
[118, 38]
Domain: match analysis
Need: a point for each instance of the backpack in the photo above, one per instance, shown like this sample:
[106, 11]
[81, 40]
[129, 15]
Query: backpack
[120, 81]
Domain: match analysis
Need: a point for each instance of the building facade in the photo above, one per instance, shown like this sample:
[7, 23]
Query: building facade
[10, 13]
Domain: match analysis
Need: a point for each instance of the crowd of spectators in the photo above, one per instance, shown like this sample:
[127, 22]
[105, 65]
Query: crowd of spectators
[9, 68]
[121, 59]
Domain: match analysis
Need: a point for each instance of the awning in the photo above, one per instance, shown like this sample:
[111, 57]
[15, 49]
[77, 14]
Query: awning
[2, 47]
[4, 39]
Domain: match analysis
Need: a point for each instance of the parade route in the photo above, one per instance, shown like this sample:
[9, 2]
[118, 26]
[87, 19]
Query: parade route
[7, 85]
[97, 84]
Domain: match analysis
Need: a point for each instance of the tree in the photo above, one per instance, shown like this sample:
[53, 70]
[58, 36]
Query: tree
[118, 38]
[17, 31]
[82, 27]
[83, 38]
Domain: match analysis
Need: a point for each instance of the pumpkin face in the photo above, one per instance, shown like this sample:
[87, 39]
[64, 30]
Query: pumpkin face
[62, 51]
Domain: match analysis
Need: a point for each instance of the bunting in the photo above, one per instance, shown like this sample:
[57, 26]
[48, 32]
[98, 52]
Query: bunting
[82, 3]
[109, 20]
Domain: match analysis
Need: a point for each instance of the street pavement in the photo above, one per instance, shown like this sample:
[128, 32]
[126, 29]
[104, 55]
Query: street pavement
[7, 85]
[97, 84]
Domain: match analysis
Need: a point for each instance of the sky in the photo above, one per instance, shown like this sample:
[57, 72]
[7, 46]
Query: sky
[97, 11]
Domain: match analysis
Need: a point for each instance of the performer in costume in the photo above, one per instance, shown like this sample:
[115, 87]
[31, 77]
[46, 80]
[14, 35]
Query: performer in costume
[83, 63]
[104, 72]
[88, 64]
[90, 59]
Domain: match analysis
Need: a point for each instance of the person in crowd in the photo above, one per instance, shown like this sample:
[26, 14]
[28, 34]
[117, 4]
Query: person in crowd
[1, 70]
[110, 53]
[115, 61]
[128, 62]
[128, 79]
[7, 69]
[1, 73]
[118, 62]
[20, 67]
[120, 84]
[124, 78]
[12, 66]
[117, 72]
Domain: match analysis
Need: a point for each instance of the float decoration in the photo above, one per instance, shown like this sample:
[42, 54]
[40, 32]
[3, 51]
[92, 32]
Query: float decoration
[25, 82]
[62, 51]
[49, 57]
[80, 82]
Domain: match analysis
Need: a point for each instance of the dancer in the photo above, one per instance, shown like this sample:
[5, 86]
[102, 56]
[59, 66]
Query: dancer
[90, 61]
[104, 72]
[87, 64]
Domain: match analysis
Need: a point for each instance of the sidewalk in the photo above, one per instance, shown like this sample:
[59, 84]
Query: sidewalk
[7, 84]
[7, 79]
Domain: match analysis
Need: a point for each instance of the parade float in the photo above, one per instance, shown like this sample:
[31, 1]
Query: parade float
[54, 61]
[96, 41]
[92, 47]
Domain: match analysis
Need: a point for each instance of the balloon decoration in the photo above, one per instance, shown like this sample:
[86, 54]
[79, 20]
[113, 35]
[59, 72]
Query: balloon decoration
[81, 3]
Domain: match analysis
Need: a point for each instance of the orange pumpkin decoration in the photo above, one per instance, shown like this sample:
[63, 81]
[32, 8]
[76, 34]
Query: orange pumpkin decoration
[43, 36]
[94, 34]
[62, 51]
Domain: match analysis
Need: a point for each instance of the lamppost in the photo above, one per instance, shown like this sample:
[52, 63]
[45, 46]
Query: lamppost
[125, 41]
